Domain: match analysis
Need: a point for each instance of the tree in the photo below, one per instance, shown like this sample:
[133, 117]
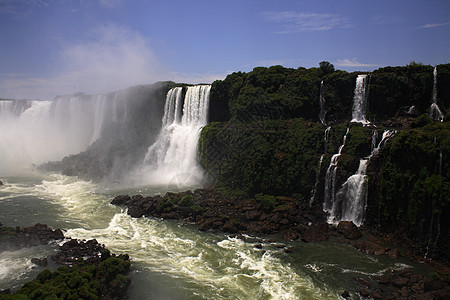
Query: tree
[326, 67]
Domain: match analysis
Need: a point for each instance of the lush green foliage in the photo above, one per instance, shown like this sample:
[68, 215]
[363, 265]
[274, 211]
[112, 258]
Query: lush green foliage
[412, 181]
[282, 93]
[279, 93]
[277, 157]
[83, 280]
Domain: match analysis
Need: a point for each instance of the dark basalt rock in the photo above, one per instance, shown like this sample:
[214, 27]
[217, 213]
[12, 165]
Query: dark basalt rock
[27, 236]
[211, 210]
[349, 230]
[369, 247]
[40, 261]
[404, 284]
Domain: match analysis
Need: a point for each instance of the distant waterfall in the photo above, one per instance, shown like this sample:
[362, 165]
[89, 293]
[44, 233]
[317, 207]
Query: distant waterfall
[435, 112]
[173, 157]
[351, 200]
[314, 190]
[34, 132]
[360, 100]
[330, 178]
[322, 102]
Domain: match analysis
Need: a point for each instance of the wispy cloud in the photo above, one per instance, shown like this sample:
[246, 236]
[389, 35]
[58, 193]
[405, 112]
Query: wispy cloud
[351, 63]
[113, 58]
[433, 25]
[385, 20]
[292, 22]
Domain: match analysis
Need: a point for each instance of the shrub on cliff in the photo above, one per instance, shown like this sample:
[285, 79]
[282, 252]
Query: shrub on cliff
[411, 186]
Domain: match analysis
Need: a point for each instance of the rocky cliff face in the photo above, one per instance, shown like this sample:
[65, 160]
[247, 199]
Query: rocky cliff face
[268, 139]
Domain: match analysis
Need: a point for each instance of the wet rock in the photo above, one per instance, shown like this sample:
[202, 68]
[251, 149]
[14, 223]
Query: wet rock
[394, 253]
[399, 281]
[317, 232]
[70, 252]
[364, 292]
[362, 282]
[404, 284]
[28, 236]
[345, 294]
[349, 230]
[257, 246]
[136, 211]
[369, 247]
[289, 235]
[288, 250]
[40, 262]
[5, 292]
[121, 200]
[1, 183]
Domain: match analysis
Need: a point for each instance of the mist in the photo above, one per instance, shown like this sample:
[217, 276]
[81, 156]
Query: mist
[95, 136]
[110, 59]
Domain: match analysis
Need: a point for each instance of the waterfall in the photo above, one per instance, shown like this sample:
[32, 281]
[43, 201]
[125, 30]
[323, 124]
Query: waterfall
[322, 102]
[351, 200]
[36, 131]
[173, 156]
[435, 112]
[330, 178]
[360, 100]
[314, 190]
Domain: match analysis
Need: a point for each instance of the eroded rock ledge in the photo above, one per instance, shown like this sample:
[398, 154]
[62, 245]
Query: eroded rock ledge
[210, 209]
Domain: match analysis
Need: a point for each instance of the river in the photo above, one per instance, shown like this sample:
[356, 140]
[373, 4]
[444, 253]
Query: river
[170, 259]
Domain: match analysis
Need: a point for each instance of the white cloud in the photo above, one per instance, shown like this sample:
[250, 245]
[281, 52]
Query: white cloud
[385, 20]
[292, 21]
[432, 25]
[113, 58]
[351, 63]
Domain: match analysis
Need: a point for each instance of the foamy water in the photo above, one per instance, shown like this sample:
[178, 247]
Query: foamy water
[172, 260]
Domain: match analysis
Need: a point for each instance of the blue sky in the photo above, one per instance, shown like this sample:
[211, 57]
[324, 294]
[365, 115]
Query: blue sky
[51, 47]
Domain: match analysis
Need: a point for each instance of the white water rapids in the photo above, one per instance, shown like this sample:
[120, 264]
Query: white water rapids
[172, 260]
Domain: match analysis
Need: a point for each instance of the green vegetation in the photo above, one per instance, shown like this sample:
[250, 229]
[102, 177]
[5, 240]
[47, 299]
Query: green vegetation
[412, 185]
[83, 280]
[263, 140]
[276, 157]
[282, 93]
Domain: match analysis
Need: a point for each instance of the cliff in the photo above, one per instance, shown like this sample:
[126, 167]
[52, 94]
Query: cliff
[266, 138]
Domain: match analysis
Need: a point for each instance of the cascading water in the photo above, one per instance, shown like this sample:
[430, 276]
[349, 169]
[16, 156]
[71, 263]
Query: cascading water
[330, 178]
[35, 131]
[173, 157]
[360, 100]
[351, 200]
[322, 102]
[314, 190]
[435, 112]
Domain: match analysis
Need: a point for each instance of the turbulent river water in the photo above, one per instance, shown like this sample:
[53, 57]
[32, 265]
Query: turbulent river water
[172, 260]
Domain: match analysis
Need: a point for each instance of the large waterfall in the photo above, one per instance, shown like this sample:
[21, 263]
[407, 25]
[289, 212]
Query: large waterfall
[360, 100]
[173, 157]
[435, 112]
[34, 132]
[330, 178]
[351, 200]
